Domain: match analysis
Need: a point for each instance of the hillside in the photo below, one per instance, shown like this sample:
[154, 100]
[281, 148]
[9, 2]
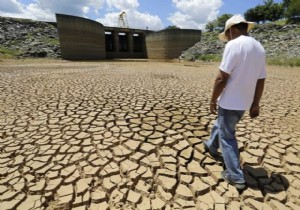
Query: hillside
[280, 41]
[23, 38]
[27, 38]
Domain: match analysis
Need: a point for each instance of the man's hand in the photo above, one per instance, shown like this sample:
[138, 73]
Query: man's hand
[219, 86]
[254, 111]
[213, 108]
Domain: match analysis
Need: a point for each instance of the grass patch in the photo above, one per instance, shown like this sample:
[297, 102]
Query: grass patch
[277, 61]
[52, 41]
[281, 22]
[8, 53]
[210, 58]
[284, 61]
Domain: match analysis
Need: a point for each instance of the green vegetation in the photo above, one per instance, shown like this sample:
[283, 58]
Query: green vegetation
[270, 61]
[270, 11]
[268, 14]
[281, 22]
[284, 61]
[51, 41]
[218, 24]
[210, 57]
[8, 53]
[292, 11]
[171, 27]
[289, 10]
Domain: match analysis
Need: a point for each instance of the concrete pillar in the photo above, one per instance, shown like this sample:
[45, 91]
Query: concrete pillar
[116, 40]
[130, 41]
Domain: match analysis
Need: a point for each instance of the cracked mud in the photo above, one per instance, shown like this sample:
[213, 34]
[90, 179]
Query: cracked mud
[128, 135]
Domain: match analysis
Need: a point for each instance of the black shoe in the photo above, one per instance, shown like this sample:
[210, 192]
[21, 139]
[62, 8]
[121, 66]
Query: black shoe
[216, 156]
[238, 186]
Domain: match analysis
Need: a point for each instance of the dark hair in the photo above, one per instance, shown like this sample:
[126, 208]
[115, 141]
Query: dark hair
[241, 26]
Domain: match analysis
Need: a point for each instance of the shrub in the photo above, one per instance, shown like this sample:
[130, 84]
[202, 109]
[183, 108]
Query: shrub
[210, 57]
[280, 61]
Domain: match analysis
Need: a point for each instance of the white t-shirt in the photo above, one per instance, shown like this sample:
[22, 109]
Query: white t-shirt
[244, 59]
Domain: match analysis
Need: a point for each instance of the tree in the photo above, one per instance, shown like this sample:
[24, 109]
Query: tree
[255, 14]
[292, 11]
[221, 20]
[219, 23]
[171, 27]
[270, 11]
[286, 3]
[274, 11]
[210, 26]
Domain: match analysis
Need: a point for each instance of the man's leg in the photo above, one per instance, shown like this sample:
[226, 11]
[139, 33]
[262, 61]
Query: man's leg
[213, 143]
[227, 120]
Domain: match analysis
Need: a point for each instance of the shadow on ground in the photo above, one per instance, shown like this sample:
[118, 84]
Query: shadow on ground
[258, 178]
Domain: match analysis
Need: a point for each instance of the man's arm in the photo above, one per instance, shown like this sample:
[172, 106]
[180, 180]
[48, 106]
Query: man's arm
[254, 110]
[219, 86]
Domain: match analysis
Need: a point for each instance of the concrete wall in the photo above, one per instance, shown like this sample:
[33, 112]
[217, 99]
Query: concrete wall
[127, 43]
[169, 44]
[80, 38]
[84, 39]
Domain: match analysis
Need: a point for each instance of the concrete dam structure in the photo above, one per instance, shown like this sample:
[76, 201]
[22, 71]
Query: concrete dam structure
[85, 39]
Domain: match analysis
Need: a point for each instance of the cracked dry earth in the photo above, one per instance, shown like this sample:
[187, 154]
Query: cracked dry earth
[128, 135]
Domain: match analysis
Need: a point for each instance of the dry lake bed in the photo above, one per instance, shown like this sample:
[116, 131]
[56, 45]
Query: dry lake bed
[128, 135]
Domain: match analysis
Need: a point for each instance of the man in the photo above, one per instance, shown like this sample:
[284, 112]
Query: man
[238, 87]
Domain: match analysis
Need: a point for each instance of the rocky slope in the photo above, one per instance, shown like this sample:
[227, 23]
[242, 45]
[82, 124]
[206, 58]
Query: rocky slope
[27, 38]
[279, 41]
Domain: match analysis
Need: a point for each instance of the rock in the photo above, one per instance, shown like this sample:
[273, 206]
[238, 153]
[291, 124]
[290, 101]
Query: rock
[33, 38]
[277, 40]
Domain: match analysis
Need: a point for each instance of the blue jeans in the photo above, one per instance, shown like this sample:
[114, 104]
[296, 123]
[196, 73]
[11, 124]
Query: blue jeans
[223, 135]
